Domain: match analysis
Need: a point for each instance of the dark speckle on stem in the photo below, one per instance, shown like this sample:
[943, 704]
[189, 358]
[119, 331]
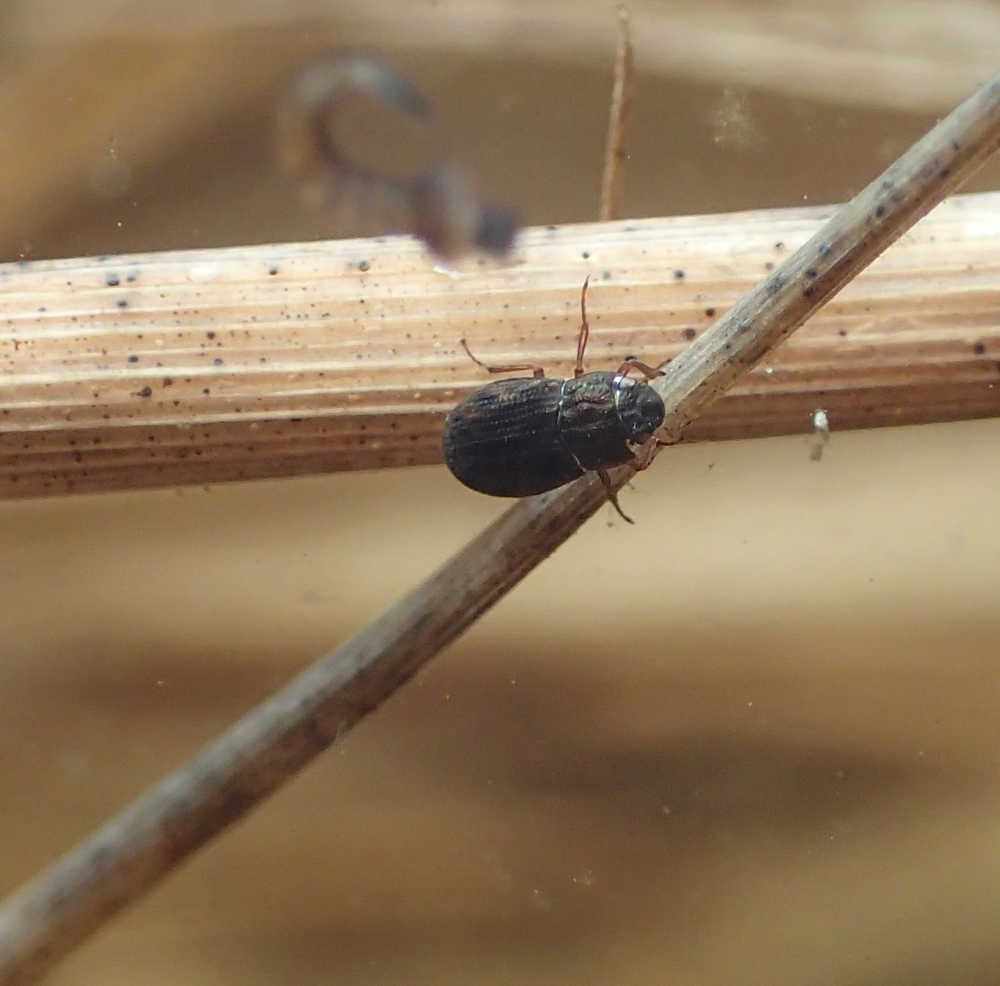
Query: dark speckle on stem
[689, 334]
[774, 284]
[678, 274]
[111, 280]
[979, 348]
[272, 270]
[145, 392]
[364, 266]
[811, 272]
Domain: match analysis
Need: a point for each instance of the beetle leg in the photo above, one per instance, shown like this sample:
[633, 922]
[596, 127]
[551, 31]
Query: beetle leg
[613, 496]
[631, 363]
[536, 371]
[581, 342]
[643, 459]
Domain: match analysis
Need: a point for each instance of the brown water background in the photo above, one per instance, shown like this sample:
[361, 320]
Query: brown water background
[754, 739]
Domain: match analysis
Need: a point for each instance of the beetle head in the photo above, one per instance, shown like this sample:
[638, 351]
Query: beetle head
[640, 408]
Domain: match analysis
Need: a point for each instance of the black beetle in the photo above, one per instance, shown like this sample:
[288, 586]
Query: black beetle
[528, 435]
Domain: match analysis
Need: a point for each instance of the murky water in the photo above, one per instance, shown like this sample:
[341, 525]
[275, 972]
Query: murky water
[752, 739]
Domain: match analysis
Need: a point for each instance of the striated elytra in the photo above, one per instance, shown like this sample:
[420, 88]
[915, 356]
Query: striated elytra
[528, 435]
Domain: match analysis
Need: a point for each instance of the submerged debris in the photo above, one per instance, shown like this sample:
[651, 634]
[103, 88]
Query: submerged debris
[439, 202]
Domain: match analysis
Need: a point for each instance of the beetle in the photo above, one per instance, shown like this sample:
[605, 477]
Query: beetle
[528, 435]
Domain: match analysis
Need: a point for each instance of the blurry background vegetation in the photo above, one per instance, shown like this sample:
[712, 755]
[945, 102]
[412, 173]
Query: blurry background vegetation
[752, 739]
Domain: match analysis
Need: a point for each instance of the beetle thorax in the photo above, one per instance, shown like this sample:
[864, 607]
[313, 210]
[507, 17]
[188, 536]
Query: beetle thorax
[640, 408]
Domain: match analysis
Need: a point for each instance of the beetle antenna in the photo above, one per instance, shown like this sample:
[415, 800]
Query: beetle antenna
[581, 342]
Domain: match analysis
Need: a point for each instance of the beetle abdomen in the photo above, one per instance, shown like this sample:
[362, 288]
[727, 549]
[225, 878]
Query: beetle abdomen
[504, 439]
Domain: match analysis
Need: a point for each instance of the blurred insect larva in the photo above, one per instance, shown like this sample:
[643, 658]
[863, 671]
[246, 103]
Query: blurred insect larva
[439, 203]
